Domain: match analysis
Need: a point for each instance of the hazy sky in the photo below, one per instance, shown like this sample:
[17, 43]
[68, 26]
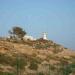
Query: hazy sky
[56, 17]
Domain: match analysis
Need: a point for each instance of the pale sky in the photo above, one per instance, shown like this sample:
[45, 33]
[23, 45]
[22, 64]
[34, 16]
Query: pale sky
[56, 17]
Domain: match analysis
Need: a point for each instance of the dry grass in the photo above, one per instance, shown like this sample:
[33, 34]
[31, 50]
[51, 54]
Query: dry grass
[30, 57]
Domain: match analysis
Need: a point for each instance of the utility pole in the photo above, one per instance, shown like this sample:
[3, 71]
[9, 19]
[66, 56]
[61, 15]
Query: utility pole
[49, 69]
[17, 61]
[18, 64]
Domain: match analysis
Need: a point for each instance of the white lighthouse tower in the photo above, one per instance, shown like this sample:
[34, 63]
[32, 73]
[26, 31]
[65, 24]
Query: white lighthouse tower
[45, 36]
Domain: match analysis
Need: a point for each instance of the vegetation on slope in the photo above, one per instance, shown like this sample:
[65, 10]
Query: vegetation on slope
[27, 58]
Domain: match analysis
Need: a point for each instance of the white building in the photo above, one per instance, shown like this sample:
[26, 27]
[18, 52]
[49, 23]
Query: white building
[28, 37]
[45, 36]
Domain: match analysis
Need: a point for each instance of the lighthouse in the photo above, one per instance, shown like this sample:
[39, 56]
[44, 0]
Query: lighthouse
[45, 36]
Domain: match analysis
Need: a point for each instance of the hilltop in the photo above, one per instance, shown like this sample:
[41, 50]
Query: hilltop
[40, 57]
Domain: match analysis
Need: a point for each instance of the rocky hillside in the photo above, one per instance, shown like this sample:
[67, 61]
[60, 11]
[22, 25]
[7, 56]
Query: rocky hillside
[40, 57]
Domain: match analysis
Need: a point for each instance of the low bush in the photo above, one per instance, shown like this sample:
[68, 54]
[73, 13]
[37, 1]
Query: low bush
[4, 59]
[7, 73]
[33, 65]
[40, 73]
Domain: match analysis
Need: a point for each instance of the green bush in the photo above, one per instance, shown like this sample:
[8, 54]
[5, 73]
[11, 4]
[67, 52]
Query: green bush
[38, 46]
[19, 62]
[7, 73]
[42, 46]
[4, 59]
[66, 69]
[40, 73]
[33, 66]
